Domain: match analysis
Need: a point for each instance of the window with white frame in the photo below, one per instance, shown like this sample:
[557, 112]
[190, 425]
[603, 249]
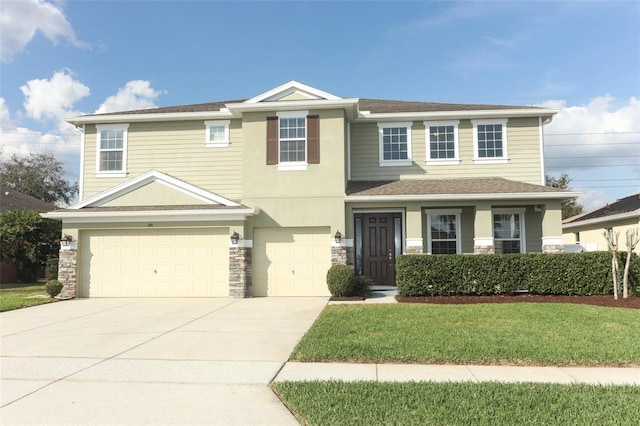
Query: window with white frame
[395, 144]
[443, 231]
[442, 142]
[292, 150]
[111, 152]
[509, 231]
[217, 133]
[490, 141]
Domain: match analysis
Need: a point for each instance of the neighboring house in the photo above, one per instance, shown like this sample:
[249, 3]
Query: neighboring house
[10, 199]
[305, 179]
[587, 229]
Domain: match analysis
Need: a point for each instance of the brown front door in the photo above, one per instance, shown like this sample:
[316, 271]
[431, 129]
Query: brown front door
[379, 247]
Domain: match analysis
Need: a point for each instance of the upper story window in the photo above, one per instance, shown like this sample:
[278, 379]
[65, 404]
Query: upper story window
[443, 231]
[293, 140]
[508, 230]
[490, 141]
[111, 152]
[217, 133]
[442, 142]
[394, 144]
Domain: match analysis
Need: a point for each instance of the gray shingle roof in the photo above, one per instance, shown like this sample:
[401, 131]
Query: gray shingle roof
[445, 186]
[624, 205]
[10, 199]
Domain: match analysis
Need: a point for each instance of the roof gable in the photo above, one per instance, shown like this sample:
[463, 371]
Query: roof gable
[148, 181]
[292, 90]
[612, 211]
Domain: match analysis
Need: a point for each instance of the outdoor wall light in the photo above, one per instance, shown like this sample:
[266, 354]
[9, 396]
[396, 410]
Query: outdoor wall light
[235, 237]
[338, 237]
[66, 240]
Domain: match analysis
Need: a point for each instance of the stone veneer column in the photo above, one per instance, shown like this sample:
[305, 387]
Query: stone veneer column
[552, 245]
[343, 253]
[414, 246]
[240, 270]
[67, 271]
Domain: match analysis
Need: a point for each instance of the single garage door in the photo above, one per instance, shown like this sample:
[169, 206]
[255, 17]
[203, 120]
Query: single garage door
[155, 263]
[291, 261]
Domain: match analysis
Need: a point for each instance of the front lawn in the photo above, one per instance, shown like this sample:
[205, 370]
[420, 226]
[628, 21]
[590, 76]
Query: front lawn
[508, 334]
[467, 403]
[16, 296]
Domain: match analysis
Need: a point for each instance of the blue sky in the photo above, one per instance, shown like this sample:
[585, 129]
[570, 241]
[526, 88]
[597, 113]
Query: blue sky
[75, 57]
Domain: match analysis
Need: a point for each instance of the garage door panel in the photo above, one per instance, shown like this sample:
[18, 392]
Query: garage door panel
[291, 261]
[155, 263]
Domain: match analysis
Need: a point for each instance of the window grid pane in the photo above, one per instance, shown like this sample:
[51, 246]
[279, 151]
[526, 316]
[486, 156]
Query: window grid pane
[444, 233]
[111, 161]
[441, 142]
[217, 134]
[506, 231]
[292, 139]
[395, 143]
[490, 141]
[111, 139]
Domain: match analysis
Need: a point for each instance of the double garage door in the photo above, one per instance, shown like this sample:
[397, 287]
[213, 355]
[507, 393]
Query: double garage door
[155, 263]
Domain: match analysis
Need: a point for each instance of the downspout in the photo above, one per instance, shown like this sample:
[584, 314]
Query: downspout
[348, 151]
[81, 174]
[543, 177]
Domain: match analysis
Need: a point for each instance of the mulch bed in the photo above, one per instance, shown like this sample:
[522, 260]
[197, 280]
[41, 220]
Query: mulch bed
[631, 302]
[346, 298]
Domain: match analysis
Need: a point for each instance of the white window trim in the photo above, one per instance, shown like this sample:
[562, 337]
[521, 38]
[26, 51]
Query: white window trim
[392, 163]
[457, 213]
[125, 136]
[492, 160]
[289, 166]
[442, 161]
[217, 123]
[523, 235]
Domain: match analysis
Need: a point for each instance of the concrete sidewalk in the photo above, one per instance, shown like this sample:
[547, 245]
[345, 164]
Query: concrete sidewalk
[308, 371]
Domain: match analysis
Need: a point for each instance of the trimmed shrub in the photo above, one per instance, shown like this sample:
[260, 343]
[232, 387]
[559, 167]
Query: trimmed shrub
[52, 268]
[361, 286]
[53, 287]
[340, 280]
[562, 274]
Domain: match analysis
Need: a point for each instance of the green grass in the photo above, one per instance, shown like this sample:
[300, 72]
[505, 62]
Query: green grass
[16, 296]
[508, 334]
[425, 403]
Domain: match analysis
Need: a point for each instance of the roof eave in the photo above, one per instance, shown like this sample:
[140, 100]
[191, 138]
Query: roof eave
[110, 216]
[463, 197]
[160, 116]
[599, 220]
[546, 113]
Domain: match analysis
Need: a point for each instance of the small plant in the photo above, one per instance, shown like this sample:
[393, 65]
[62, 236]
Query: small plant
[53, 287]
[52, 268]
[362, 286]
[340, 280]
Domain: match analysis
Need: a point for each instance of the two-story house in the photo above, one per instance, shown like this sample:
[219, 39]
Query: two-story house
[259, 197]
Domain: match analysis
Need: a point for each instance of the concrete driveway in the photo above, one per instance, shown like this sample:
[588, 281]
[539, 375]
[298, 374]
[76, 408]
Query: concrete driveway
[149, 361]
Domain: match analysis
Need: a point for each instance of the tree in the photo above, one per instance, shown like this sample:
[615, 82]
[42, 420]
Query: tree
[27, 240]
[569, 207]
[633, 238]
[612, 241]
[38, 175]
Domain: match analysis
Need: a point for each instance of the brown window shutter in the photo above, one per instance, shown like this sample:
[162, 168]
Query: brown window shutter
[313, 139]
[272, 140]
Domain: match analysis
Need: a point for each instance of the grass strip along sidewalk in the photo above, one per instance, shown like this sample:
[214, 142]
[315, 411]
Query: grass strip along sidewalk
[495, 334]
[16, 296]
[427, 403]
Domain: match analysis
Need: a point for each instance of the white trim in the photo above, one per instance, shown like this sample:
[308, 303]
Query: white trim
[456, 144]
[149, 177]
[414, 242]
[523, 230]
[439, 212]
[543, 178]
[287, 166]
[293, 166]
[391, 163]
[364, 116]
[293, 114]
[142, 216]
[288, 88]
[348, 150]
[600, 220]
[552, 241]
[490, 160]
[125, 136]
[241, 243]
[462, 197]
[217, 123]
[483, 242]
[81, 177]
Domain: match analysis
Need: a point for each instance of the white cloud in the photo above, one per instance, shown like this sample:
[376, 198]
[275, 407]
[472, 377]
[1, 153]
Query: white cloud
[21, 20]
[136, 94]
[6, 123]
[53, 98]
[597, 143]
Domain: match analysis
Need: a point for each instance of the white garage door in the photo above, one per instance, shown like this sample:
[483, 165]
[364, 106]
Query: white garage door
[291, 261]
[155, 263]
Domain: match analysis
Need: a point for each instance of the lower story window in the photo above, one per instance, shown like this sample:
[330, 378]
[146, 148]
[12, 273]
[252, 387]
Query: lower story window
[443, 232]
[508, 232]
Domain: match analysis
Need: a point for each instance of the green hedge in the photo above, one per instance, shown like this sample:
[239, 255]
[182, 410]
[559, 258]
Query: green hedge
[538, 273]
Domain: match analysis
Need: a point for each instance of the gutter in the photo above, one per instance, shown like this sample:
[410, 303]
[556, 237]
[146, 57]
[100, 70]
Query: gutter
[463, 197]
[604, 219]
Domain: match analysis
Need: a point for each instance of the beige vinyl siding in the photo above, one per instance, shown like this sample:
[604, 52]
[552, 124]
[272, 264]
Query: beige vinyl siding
[177, 149]
[523, 141]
